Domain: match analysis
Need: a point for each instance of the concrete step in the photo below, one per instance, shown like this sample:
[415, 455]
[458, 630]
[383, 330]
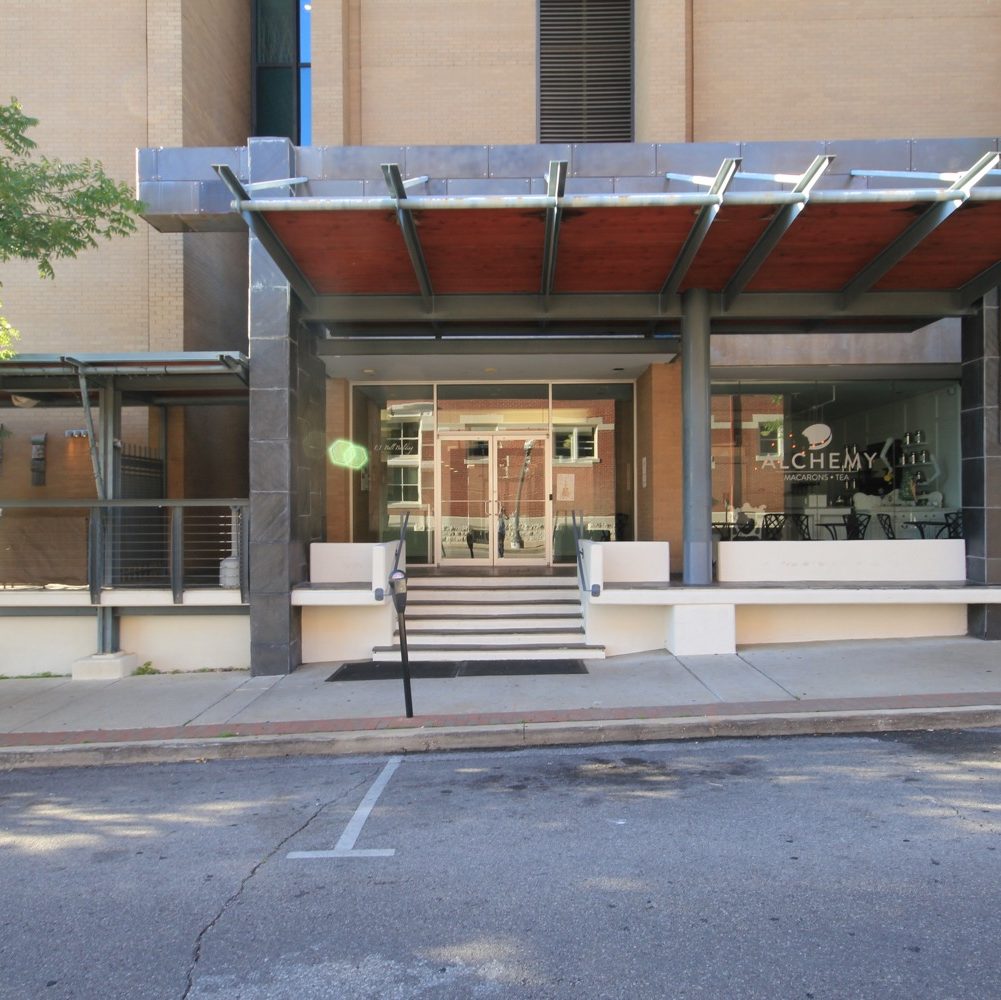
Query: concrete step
[534, 651]
[479, 622]
[492, 582]
[487, 609]
[492, 595]
[487, 637]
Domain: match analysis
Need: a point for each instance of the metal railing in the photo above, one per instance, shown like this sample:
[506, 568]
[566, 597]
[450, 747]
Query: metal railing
[579, 550]
[131, 544]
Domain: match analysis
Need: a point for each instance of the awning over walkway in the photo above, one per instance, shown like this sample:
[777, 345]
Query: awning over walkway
[170, 379]
[885, 250]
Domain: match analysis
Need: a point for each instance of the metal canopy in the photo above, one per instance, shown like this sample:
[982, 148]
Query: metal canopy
[809, 258]
[193, 378]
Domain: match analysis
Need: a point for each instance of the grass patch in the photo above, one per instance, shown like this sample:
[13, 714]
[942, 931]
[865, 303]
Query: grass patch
[29, 677]
[145, 670]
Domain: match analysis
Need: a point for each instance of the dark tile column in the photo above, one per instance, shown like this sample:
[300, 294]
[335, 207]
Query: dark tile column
[981, 444]
[286, 444]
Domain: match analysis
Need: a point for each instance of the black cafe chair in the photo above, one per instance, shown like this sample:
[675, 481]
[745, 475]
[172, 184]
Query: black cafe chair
[953, 527]
[886, 523]
[856, 525]
[801, 522]
[772, 527]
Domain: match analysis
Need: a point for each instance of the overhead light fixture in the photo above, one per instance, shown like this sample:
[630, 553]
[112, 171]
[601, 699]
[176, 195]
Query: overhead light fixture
[368, 371]
[25, 402]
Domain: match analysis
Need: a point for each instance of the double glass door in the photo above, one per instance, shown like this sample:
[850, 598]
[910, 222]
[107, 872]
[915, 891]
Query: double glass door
[493, 499]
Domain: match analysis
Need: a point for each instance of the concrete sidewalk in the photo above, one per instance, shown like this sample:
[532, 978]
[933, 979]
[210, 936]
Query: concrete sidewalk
[766, 690]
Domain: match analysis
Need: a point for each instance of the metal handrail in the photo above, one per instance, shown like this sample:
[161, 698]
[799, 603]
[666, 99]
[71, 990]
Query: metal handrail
[91, 502]
[403, 538]
[595, 589]
[578, 551]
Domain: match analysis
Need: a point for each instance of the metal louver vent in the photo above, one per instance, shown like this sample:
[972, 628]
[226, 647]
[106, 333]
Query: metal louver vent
[586, 70]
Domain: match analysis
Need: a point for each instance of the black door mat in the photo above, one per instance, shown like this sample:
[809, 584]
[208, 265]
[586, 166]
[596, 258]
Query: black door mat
[366, 670]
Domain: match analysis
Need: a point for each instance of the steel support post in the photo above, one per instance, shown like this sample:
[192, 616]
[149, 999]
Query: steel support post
[109, 421]
[696, 439]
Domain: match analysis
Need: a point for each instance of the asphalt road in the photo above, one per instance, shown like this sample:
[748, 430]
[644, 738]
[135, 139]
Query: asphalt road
[803, 867]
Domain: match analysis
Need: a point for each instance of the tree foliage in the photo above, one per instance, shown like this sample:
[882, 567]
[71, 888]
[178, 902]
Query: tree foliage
[49, 209]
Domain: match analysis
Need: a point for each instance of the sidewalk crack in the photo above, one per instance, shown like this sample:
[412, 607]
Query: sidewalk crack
[196, 954]
[222, 698]
[771, 680]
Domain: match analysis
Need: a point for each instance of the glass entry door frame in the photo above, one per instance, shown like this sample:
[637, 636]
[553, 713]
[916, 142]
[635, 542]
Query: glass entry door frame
[498, 523]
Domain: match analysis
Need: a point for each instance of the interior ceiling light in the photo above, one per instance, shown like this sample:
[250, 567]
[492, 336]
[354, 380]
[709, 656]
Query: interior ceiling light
[25, 402]
[368, 371]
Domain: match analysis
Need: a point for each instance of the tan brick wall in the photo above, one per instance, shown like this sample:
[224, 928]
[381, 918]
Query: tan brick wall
[658, 440]
[332, 61]
[794, 69]
[442, 71]
[662, 31]
[216, 72]
[90, 104]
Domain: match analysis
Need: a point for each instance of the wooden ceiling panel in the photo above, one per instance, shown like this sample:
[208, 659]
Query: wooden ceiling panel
[620, 249]
[348, 253]
[732, 235]
[965, 245]
[485, 251]
[827, 245]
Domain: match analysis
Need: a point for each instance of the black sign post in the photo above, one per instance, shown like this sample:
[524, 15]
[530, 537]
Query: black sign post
[398, 586]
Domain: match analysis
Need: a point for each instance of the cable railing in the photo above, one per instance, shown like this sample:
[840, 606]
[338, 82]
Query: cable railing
[98, 545]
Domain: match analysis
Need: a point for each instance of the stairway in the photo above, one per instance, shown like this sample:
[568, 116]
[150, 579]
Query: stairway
[493, 618]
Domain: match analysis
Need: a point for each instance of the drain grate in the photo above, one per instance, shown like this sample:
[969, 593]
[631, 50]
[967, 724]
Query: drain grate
[367, 670]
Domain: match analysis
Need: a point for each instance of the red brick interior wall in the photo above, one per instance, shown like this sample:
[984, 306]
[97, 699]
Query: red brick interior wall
[658, 439]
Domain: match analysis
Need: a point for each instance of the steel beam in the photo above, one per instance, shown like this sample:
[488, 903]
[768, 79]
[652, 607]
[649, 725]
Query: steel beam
[699, 231]
[556, 183]
[911, 237]
[696, 438]
[979, 286]
[504, 346]
[394, 181]
[774, 232]
[267, 236]
[638, 307]
[88, 417]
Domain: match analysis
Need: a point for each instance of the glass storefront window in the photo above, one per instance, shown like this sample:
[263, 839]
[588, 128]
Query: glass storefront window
[592, 464]
[822, 460]
[395, 423]
[513, 469]
[493, 407]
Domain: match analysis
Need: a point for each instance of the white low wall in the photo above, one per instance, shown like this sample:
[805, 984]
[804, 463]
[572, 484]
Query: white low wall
[42, 644]
[188, 642]
[761, 623]
[626, 562]
[345, 633]
[623, 628]
[353, 562]
[37, 644]
[884, 561]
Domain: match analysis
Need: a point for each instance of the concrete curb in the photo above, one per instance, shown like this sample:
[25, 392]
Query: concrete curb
[505, 736]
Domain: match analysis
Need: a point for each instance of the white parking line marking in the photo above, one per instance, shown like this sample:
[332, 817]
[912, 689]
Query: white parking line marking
[345, 847]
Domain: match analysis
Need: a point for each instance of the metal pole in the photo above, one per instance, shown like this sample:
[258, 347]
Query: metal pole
[696, 437]
[408, 698]
[398, 588]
